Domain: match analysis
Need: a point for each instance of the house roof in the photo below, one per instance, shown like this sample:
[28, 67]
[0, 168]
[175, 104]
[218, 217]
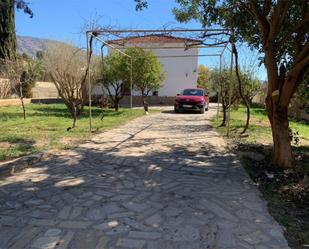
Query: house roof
[152, 39]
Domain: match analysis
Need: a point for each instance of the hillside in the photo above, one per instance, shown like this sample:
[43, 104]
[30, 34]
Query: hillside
[30, 45]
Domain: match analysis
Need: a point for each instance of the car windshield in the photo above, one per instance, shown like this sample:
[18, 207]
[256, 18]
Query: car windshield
[193, 92]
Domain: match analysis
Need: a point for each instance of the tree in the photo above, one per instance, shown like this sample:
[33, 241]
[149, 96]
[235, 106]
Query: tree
[112, 77]
[147, 72]
[252, 86]
[203, 77]
[279, 29]
[7, 26]
[22, 75]
[32, 72]
[5, 88]
[225, 82]
[67, 67]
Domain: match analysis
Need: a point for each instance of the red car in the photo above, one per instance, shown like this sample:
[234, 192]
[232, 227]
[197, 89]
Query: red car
[192, 99]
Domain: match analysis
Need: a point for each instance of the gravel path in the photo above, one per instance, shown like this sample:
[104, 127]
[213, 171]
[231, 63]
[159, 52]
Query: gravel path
[160, 181]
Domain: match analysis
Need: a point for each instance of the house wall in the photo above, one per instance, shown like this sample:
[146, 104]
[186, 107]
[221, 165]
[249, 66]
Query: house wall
[180, 72]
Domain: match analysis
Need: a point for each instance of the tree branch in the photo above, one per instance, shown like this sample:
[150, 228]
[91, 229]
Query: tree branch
[293, 79]
[261, 19]
[277, 18]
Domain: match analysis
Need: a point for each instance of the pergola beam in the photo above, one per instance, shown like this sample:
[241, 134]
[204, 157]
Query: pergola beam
[99, 31]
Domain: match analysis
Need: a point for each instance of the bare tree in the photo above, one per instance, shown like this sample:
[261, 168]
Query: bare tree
[67, 66]
[13, 71]
[5, 88]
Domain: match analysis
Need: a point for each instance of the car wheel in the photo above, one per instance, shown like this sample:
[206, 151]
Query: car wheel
[206, 108]
[176, 110]
[202, 111]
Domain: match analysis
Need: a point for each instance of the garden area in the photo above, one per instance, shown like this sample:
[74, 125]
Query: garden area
[46, 127]
[286, 191]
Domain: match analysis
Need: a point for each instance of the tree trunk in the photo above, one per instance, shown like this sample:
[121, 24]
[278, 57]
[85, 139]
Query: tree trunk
[21, 97]
[7, 30]
[145, 103]
[116, 104]
[277, 114]
[282, 150]
[240, 88]
[224, 115]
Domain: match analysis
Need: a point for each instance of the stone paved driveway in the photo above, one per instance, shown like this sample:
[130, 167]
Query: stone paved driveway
[161, 181]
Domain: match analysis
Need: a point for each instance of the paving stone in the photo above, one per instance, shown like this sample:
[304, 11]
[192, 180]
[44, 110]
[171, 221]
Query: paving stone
[46, 242]
[154, 220]
[23, 239]
[134, 224]
[75, 224]
[107, 225]
[120, 215]
[65, 241]
[65, 212]
[102, 243]
[52, 232]
[118, 230]
[130, 243]
[217, 210]
[144, 235]
[76, 212]
[183, 233]
[138, 207]
[255, 238]
[42, 222]
[104, 193]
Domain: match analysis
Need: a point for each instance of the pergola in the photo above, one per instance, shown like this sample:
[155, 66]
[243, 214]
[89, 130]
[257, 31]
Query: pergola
[209, 38]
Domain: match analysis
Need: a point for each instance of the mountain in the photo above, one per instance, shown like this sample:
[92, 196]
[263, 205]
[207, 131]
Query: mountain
[30, 45]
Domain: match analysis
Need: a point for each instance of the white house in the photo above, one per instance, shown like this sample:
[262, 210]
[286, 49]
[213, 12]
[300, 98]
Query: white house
[180, 65]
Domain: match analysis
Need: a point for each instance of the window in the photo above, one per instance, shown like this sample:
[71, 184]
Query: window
[193, 92]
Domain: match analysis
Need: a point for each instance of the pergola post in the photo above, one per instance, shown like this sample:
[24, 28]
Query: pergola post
[218, 90]
[131, 82]
[230, 100]
[89, 84]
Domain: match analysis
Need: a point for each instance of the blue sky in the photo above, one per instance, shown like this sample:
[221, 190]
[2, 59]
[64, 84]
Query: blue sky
[64, 19]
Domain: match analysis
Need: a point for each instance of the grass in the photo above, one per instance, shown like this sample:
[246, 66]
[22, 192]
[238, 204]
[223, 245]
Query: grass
[259, 130]
[46, 127]
[287, 191]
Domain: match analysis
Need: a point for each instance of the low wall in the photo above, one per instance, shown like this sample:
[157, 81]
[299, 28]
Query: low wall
[47, 101]
[12, 102]
[152, 100]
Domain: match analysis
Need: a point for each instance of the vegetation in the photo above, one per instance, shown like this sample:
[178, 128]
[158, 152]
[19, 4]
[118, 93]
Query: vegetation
[300, 101]
[5, 88]
[279, 29]
[259, 130]
[203, 79]
[148, 72]
[7, 27]
[67, 67]
[287, 191]
[22, 74]
[226, 83]
[45, 128]
[111, 75]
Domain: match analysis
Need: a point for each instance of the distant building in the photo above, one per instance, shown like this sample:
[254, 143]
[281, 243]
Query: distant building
[180, 65]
